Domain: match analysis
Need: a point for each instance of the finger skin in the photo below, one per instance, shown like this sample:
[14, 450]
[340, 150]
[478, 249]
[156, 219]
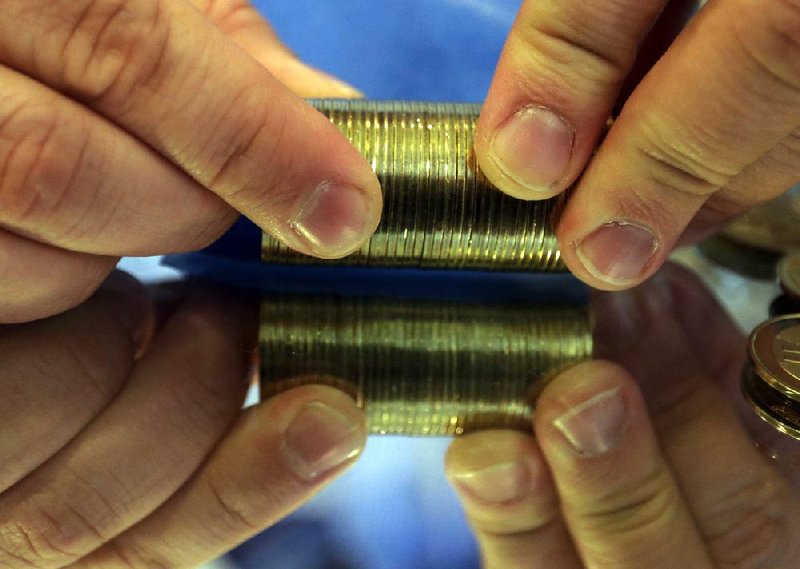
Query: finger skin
[63, 371]
[161, 71]
[180, 398]
[569, 58]
[723, 96]
[688, 360]
[619, 498]
[247, 484]
[510, 501]
[37, 280]
[71, 179]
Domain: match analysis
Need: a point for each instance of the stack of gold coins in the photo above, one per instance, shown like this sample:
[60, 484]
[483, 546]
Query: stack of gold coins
[439, 209]
[422, 367]
[771, 379]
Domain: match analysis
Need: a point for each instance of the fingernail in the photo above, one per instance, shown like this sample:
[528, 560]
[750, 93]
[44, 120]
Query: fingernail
[335, 220]
[617, 252]
[595, 426]
[320, 439]
[533, 148]
[498, 483]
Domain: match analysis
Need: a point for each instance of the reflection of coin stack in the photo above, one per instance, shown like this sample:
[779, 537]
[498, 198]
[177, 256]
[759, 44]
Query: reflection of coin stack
[422, 367]
[439, 209]
[771, 380]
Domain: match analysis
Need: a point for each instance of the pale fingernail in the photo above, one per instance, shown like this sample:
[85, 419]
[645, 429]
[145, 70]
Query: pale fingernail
[335, 220]
[320, 439]
[498, 483]
[533, 148]
[618, 252]
[595, 426]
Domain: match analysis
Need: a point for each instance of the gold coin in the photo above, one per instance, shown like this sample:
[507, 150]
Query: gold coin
[772, 378]
[422, 367]
[440, 211]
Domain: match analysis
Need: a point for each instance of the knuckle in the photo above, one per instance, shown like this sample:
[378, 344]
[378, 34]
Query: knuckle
[228, 15]
[602, 53]
[39, 159]
[232, 513]
[51, 530]
[115, 48]
[783, 25]
[40, 539]
[753, 526]
[772, 46]
[687, 163]
[641, 507]
[240, 176]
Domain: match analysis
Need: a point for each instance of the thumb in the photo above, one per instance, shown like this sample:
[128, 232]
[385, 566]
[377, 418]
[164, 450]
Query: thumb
[275, 457]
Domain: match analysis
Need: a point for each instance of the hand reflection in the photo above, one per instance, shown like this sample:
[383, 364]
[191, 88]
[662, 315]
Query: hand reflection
[122, 442]
[654, 472]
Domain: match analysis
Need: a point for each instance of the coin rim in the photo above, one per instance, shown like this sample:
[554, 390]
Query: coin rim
[752, 385]
[760, 343]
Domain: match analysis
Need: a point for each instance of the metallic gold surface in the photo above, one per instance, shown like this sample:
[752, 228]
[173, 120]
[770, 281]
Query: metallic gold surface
[439, 209]
[422, 367]
[771, 380]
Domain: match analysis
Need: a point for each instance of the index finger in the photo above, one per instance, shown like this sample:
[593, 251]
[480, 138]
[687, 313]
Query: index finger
[165, 74]
[725, 94]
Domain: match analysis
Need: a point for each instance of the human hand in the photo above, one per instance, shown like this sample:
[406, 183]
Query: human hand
[710, 131]
[107, 460]
[655, 472]
[138, 127]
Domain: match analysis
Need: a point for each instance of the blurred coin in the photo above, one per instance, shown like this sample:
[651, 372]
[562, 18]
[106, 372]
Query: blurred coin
[772, 226]
[771, 379]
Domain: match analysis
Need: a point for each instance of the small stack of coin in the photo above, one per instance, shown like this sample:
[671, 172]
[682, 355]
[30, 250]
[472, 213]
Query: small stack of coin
[771, 379]
[439, 209]
[422, 367]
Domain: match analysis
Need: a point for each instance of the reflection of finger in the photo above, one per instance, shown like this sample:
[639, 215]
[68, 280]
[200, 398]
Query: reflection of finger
[275, 457]
[742, 508]
[181, 396]
[37, 280]
[244, 25]
[619, 499]
[163, 72]
[72, 179]
[556, 82]
[510, 501]
[726, 92]
[57, 374]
